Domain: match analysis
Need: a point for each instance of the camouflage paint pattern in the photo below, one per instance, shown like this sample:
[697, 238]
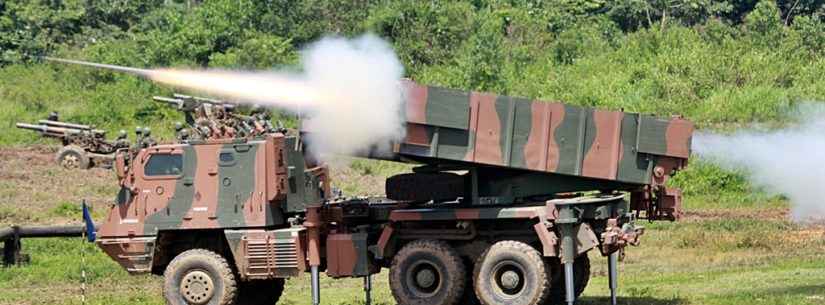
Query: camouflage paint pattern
[263, 254]
[246, 188]
[241, 188]
[348, 256]
[212, 184]
[133, 253]
[594, 208]
[240, 175]
[483, 128]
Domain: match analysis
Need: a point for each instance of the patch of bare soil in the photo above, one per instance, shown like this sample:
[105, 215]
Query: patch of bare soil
[760, 214]
[35, 190]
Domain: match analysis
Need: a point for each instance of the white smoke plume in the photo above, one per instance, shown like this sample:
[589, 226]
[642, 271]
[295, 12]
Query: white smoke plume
[348, 90]
[788, 161]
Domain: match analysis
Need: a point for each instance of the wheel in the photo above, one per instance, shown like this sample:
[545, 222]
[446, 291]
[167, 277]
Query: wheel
[511, 272]
[581, 277]
[427, 272]
[260, 292]
[199, 277]
[72, 157]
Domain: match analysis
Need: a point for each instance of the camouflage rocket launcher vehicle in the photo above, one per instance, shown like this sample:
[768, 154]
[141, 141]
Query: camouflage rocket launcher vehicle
[509, 197]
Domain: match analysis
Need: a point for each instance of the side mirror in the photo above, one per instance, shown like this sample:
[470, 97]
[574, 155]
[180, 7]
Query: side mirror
[124, 196]
[120, 165]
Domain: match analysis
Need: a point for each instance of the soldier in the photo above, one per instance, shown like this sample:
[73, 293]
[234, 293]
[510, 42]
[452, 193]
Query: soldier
[262, 118]
[179, 132]
[183, 135]
[122, 140]
[138, 138]
[147, 141]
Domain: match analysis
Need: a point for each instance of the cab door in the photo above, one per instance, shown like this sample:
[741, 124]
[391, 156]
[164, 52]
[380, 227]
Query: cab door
[160, 189]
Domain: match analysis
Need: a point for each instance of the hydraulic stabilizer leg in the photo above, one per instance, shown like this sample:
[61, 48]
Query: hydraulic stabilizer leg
[613, 274]
[316, 286]
[367, 289]
[569, 287]
[313, 224]
[568, 221]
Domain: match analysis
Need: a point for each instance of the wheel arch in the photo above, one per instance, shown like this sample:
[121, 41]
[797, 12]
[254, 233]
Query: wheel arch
[170, 243]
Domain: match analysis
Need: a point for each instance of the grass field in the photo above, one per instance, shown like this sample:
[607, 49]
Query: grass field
[721, 253]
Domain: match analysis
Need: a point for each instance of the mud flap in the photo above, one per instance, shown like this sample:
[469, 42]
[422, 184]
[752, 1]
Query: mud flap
[348, 255]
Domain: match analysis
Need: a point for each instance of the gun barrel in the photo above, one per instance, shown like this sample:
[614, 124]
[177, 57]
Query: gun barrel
[136, 71]
[64, 124]
[171, 101]
[199, 99]
[40, 128]
[48, 130]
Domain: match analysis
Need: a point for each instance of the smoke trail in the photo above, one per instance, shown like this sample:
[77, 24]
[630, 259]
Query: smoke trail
[788, 161]
[348, 89]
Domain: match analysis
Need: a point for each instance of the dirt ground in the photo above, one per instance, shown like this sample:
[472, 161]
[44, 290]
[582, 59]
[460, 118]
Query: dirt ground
[35, 190]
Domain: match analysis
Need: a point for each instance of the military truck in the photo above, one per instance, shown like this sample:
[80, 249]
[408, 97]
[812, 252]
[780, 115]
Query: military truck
[83, 145]
[508, 197]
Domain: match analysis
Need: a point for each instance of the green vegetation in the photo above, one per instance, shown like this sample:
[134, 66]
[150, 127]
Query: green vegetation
[719, 63]
[722, 64]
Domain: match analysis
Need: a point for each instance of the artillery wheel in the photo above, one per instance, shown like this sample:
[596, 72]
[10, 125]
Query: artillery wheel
[581, 277]
[199, 277]
[511, 272]
[72, 157]
[427, 272]
[260, 292]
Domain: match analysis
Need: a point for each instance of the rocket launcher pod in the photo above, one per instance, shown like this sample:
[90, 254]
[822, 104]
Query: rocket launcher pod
[520, 148]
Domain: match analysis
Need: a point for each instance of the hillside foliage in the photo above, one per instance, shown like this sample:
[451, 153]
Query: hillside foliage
[719, 63]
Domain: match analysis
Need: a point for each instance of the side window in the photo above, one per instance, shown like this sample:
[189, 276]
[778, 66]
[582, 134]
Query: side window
[164, 165]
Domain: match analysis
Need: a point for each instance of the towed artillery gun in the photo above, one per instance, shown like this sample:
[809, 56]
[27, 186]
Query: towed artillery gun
[83, 145]
[509, 197]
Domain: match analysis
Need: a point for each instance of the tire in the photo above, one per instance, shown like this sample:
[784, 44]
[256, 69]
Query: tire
[511, 273]
[581, 277]
[427, 272]
[206, 269]
[72, 157]
[260, 292]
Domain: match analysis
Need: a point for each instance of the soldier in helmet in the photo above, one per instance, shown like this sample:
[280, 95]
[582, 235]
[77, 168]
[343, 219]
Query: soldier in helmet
[122, 140]
[53, 116]
[138, 138]
[183, 135]
[262, 118]
[180, 132]
[147, 140]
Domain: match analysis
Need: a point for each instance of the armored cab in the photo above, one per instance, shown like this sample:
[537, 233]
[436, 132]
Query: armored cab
[204, 186]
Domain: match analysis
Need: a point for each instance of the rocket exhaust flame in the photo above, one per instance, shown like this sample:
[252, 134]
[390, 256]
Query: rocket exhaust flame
[291, 94]
[348, 88]
[784, 161]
